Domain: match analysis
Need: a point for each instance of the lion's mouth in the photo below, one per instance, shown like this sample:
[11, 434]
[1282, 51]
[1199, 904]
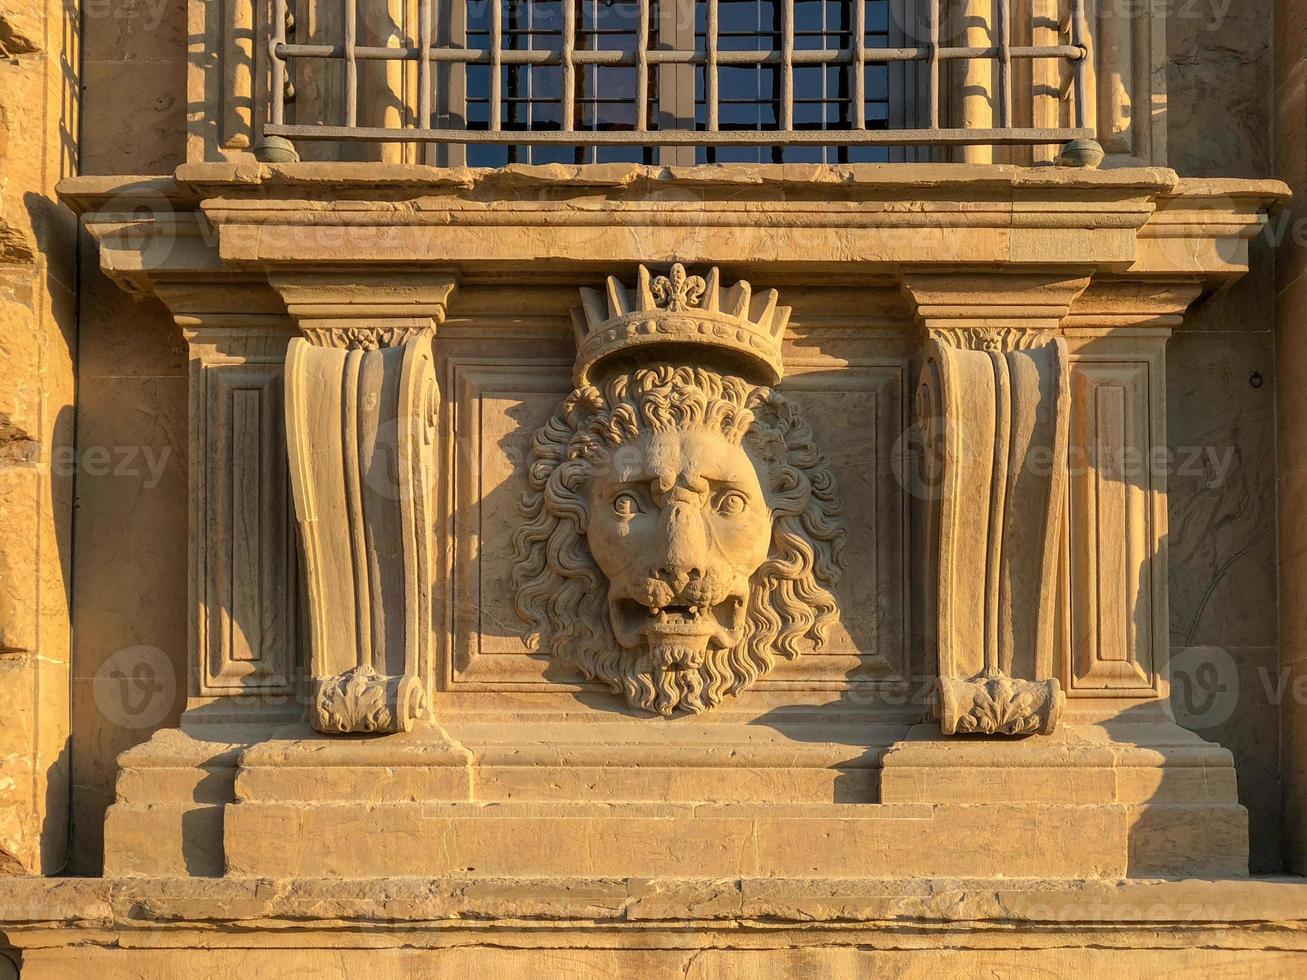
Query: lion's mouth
[692, 624]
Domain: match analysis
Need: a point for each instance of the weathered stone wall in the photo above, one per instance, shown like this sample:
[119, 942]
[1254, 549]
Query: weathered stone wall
[38, 60]
[130, 594]
[1291, 284]
[1221, 415]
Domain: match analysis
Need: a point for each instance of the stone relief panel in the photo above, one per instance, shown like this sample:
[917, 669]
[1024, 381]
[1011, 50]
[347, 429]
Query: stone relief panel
[858, 415]
[855, 405]
[251, 628]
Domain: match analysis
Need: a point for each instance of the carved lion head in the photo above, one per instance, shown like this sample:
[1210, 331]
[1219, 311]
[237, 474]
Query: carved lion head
[681, 531]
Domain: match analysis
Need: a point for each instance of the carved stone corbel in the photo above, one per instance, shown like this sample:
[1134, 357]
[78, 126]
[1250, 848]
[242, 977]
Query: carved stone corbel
[361, 405]
[993, 405]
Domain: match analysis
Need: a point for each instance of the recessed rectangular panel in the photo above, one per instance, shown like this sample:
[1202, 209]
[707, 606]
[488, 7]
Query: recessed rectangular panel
[1111, 533]
[857, 417]
[247, 581]
[497, 410]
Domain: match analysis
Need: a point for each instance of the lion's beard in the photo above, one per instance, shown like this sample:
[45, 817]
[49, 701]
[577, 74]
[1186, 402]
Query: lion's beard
[665, 677]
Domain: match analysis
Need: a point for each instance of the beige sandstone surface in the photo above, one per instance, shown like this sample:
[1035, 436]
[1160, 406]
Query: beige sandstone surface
[379, 768]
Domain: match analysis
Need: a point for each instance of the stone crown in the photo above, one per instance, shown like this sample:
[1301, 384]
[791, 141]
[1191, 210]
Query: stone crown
[678, 310]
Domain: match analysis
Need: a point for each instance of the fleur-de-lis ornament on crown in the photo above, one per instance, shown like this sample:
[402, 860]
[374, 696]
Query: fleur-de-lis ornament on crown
[678, 291]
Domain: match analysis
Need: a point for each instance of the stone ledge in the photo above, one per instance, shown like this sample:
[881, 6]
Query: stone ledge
[191, 183]
[52, 911]
[914, 178]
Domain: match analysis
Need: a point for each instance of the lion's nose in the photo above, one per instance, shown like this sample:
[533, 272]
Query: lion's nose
[677, 576]
[684, 559]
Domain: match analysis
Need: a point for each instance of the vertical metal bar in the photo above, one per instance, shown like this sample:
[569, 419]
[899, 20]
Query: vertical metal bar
[787, 65]
[1004, 30]
[496, 60]
[932, 80]
[424, 65]
[642, 68]
[351, 63]
[859, 67]
[710, 87]
[1079, 36]
[569, 65]
[278, 81]
[527, 73]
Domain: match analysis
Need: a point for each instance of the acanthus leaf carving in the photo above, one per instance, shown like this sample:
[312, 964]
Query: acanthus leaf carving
[993, 704]
[355, 701]
[992, 338]
[360, 337]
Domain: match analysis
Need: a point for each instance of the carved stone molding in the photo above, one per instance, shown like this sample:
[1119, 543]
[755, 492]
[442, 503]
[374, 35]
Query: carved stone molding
[993, 404]
[991, 338]
[360, 338]
[360, 429]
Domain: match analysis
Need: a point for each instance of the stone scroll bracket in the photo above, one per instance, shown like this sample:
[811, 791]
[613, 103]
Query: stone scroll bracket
[993, 406]
[361, 407]
[995, 427]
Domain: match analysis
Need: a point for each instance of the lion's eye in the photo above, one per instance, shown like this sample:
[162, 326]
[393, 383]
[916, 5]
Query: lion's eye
[626, 505]
[730, 503]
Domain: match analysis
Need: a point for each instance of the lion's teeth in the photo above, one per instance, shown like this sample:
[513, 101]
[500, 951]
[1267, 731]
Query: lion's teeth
[657, 610]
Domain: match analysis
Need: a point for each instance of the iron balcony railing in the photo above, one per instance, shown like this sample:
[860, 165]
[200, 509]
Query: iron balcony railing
[574, 47]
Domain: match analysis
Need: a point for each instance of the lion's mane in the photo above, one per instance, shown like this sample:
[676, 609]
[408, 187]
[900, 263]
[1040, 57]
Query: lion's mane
[562, 594]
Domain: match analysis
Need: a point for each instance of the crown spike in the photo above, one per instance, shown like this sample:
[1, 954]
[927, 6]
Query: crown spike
[619, 300]
[763, 307]
[712, 301]
[737, 300]
[595, 307]
[779, 322]
[644, 298]
[581, 321]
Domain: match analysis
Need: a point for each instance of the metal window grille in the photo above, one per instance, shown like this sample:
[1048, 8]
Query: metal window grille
[621, 79]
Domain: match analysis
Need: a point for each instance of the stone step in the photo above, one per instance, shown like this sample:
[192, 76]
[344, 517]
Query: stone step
[623, 761]
[712, 839]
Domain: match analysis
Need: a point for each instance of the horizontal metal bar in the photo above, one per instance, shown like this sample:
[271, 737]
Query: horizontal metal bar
[689, 137]
[627, 59]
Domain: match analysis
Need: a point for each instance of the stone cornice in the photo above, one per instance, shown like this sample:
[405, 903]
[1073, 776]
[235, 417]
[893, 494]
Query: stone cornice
[789, 223]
